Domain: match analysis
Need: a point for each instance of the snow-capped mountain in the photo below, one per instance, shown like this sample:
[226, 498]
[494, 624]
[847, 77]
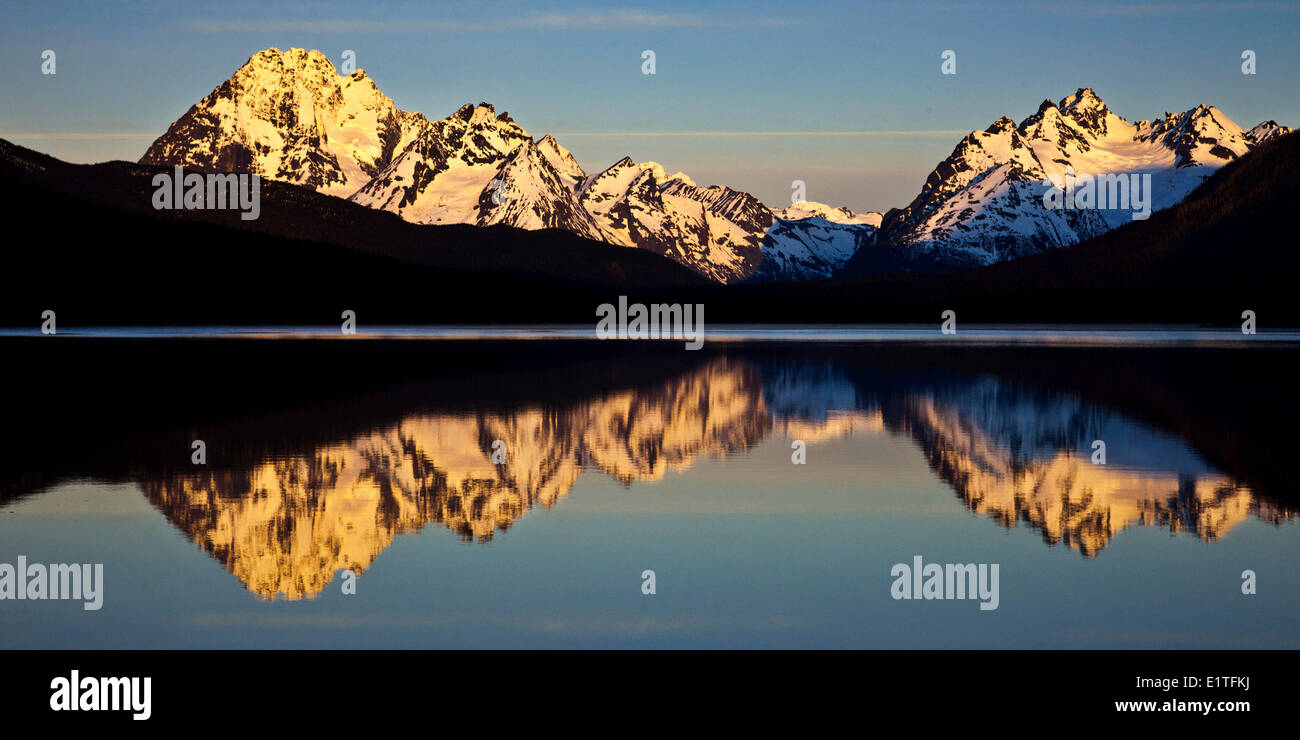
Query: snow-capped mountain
[290, 116]
[725, 234]
[812, 246]
[478, 167]
[715, 230]
[809, 209]
[1266, 131]
[814, 240]
[984, 203]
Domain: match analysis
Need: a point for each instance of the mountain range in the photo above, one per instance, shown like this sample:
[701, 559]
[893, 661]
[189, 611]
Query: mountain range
[1226, 247]
[289, 116]
[984, 203]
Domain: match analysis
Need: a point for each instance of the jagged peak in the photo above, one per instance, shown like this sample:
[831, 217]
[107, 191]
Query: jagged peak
[562, 159]
[1047, 115]
[484, 116]
[626, 161]
[1267, 130]
[1085, 98]
[291, 58]
[527, 149]
[548, 143]
[683, 177]
[1195, 118]
[472, 113]
[1087, 110]
[613, 171]
[1001, 125]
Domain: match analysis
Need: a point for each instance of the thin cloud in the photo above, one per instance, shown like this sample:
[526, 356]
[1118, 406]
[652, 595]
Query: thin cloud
[91, 135]
[1104, 9]
[585, 21]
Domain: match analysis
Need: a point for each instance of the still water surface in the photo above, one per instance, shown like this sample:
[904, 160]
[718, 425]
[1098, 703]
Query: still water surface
[613, 465]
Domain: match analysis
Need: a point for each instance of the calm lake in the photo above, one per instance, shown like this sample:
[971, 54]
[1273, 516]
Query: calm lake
[454, 488]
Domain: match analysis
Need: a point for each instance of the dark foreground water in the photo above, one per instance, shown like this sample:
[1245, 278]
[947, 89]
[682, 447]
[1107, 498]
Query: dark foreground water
[350, 495]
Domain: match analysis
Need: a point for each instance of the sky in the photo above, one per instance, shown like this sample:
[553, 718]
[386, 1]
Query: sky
[847, 97]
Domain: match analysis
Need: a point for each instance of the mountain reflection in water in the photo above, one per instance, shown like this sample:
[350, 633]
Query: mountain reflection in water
[287, 521]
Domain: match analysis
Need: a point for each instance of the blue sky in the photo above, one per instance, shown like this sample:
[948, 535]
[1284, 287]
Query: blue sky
[847, 97]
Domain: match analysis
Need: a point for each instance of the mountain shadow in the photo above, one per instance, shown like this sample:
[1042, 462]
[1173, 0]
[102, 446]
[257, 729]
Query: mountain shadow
[99, 253]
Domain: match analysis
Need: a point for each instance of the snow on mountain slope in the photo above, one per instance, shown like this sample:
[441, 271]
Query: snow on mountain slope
[441, 176]
[562, 160]
[477, 167]
[722, 233]
[288, 115]
[814, 240]
[984, 203]
[533, 194]
[715, 231]
[809, 209]
[810, 248]
[1266, 131]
